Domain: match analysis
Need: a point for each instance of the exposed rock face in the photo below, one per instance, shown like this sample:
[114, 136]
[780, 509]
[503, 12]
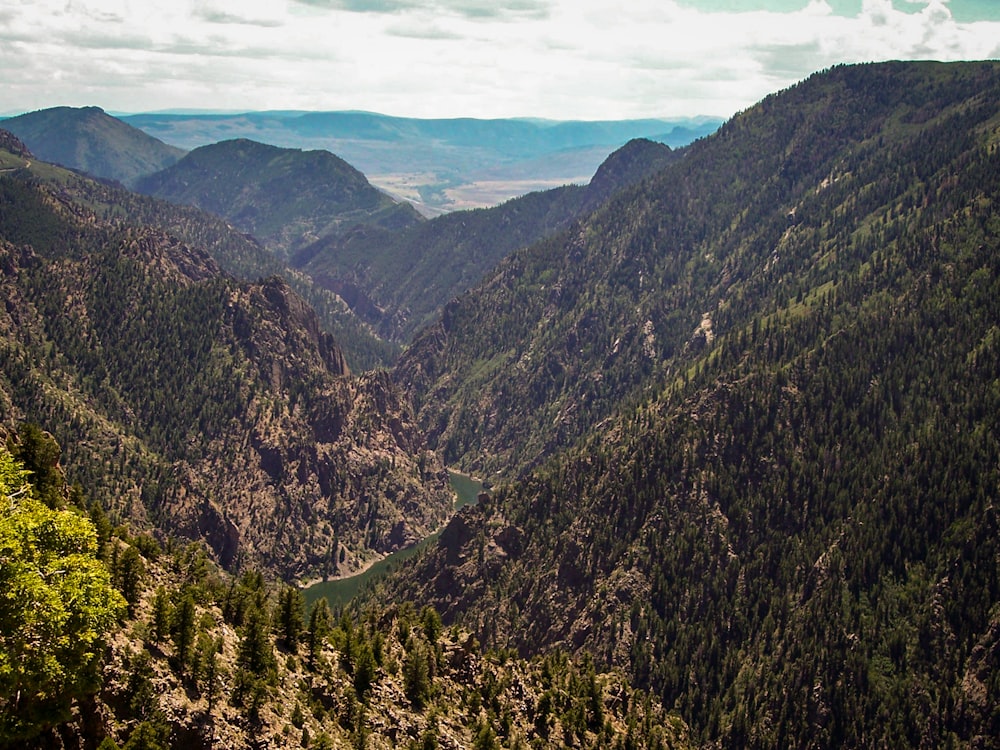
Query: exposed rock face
[791, 520]
[10, 142]
[243, 424]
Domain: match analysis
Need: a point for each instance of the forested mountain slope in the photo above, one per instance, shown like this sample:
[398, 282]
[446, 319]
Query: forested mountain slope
[200, 405]
[400, 280]
[561, 333]
[285, 197]
[236, 252]
[790, 535]
[110, 639]
[90, 140]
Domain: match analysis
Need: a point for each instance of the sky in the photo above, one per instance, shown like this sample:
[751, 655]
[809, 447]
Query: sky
[557, 59]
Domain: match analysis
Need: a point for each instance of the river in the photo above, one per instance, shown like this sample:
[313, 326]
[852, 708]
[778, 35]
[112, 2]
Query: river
[340, 591]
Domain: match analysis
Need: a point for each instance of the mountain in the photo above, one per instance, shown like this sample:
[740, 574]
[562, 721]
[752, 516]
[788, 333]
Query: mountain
[92, 141]
[399, 281]
[198, 405]
[153, 646]
[237, 253]
[635, 161]
[437, 164]
[747, 414]
[284, 197]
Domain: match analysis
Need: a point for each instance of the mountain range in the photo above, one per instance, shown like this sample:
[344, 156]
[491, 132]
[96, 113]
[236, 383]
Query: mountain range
[737, 402]
[284, 197]
[437, 164]
[399, 281]
[91, 140]
[312, 210]
[208, 407]
[747, 417]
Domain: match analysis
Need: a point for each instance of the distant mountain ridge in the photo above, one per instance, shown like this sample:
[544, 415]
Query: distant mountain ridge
[284, 197]
[399, 281]
[90, 140]
[440, 164]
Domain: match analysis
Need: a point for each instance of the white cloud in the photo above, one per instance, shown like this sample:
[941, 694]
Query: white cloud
[554, 58]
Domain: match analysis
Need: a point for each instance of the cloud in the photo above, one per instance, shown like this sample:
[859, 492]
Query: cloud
[363, 6]
[246, 13]
[594, 59]
[422, 30]
[480, 9]
[213, 16]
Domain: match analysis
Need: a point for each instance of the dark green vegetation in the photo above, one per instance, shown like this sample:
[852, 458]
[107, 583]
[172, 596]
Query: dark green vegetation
[92, 141]
[399, 281]
[743, 414]
[284, 197]
[760, 395]
[236, 253]
[110, 639]
[210, 408]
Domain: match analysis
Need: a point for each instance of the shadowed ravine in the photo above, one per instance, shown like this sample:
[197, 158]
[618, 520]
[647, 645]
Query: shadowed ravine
[340, 591]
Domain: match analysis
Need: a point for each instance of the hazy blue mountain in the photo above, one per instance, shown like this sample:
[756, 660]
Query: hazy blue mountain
[90, 140]
[284, 197]
[439, 164]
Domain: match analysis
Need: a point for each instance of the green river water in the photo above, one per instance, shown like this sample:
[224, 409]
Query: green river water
[340, 591]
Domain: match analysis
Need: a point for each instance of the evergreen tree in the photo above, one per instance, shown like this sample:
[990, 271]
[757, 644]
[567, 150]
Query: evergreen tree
[161, 615]
[255, 653]
[416, 677]
[364, 670]
[129, 573]
[183, 629]
[290, 614]
[39, 453]
[319, 628]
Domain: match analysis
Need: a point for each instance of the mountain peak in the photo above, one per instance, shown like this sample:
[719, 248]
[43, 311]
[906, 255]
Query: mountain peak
[285, 197]
[90, 140]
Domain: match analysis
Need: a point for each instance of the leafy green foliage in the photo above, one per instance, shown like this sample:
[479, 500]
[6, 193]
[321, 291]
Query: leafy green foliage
[57, 608]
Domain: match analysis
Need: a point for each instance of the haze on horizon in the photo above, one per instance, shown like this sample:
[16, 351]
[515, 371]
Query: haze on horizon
[557, 59]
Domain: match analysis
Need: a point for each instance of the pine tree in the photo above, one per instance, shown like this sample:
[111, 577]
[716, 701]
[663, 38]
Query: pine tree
[291, 605]
[416, 677]
[319, 628]
[161, 615]
[183, 629]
